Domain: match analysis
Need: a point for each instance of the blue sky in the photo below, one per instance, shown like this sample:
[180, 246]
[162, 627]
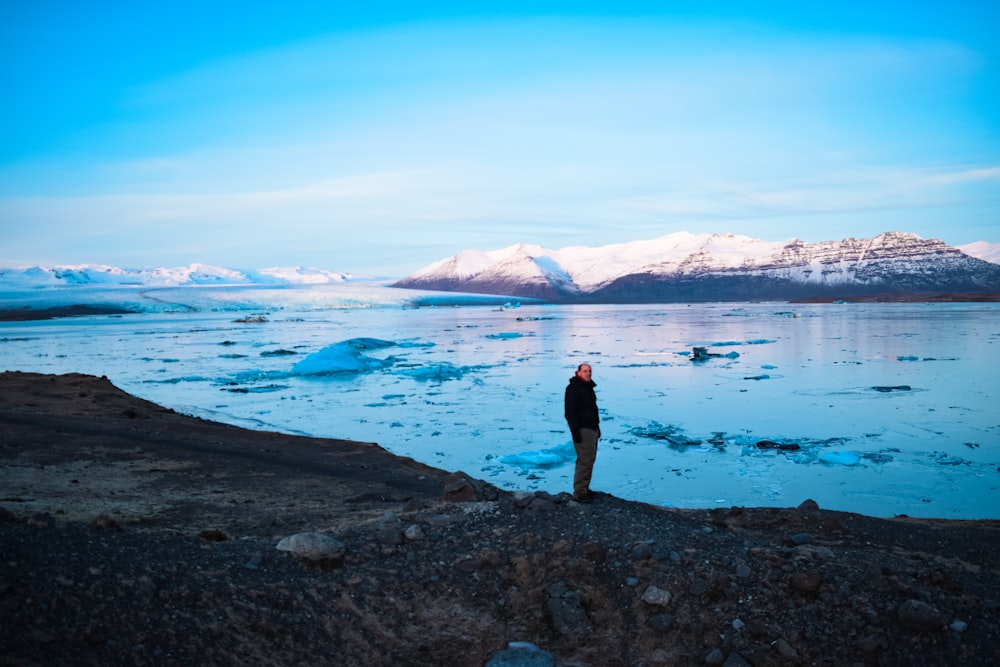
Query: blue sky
[377, 139]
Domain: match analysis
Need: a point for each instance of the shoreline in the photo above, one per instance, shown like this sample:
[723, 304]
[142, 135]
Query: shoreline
[30, 313]
[133, 535]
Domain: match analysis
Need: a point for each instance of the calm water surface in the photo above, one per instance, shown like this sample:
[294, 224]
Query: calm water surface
[892, 406]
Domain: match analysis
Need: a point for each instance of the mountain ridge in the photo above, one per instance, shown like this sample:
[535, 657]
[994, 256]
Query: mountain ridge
[683, 267]
[192, 274]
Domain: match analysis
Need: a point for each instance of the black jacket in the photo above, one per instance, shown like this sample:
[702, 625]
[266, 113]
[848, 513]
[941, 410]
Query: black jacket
[581, 406]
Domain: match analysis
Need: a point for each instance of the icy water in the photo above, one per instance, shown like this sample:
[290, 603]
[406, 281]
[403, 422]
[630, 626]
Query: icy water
[883, 409]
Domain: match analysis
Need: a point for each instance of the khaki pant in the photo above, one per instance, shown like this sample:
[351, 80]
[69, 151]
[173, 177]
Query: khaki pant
[586, 454]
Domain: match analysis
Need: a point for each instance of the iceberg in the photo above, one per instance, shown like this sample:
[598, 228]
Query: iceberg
[842, 458]
[437, 372]
[542, 458]
[345, 357]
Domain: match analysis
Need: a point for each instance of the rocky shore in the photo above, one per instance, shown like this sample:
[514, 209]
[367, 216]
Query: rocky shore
[133, 535]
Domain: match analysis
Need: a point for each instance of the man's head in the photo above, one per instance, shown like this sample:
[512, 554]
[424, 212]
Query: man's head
[584, 372]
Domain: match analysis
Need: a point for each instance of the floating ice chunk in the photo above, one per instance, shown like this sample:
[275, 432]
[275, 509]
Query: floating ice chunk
[907, 358]
[436, 372]
[731, 343]
[542, 458]
[843, 458]
[414, 343]
[657, 431]
[702, 354]
[505, 335]
[344, 357]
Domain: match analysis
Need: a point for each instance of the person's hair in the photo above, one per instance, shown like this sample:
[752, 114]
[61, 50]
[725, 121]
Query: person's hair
[580, 367]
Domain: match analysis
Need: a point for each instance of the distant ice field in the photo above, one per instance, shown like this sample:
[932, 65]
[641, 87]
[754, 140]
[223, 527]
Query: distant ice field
[882, 409]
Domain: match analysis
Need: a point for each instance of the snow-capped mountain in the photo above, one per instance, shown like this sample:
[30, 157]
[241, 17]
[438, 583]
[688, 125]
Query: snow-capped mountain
[194, 274]
[715, 267]
[989, 252]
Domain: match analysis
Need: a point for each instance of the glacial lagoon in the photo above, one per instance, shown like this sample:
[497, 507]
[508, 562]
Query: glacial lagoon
[883, 409]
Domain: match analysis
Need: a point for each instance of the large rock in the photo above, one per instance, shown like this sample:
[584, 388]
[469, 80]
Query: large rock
[461, 488]
[314, 547]
[565, 611]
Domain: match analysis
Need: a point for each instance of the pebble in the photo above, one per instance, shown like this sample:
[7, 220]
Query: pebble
[785, 650]
[656, 596]
[919, 616]
[521, 654]
[661, 622]
[641, 551]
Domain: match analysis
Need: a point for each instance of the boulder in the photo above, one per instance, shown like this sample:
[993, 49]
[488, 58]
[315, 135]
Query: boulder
[313, 547]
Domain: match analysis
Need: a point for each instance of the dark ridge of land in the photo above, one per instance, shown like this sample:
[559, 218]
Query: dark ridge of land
[984, 297]
[134, 535]
[29, 313]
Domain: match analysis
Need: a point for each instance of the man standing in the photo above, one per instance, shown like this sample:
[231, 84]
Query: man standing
[584, 425]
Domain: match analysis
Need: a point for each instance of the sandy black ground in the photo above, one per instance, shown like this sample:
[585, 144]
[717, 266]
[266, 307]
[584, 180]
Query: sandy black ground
[133, 535]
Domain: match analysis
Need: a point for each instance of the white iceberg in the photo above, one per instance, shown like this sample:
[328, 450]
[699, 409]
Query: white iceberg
[542, 458]
[344, 357]
[842, 458]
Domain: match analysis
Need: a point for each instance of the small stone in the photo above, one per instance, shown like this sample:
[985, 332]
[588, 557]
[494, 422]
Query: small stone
[104, 522]
[641, 551]
[743, 571]
[467, 565]
[785, 650]
[522, 654]
[413, 505]
[736, 660]
[254, 562]
[802, 538]
[661, 622]
[919, 616]
[390, 530]
[460, 488]
[414, 533]
[656, 596]
[213, 535]
[715, 657]
[959, 626]
[539, 504]
[523, 498]
[699, 586]
[806, 582]
[806, 551]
